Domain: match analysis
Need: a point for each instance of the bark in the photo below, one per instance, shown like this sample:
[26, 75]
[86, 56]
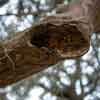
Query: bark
[19, 58]
[57, 37]
[92, 9]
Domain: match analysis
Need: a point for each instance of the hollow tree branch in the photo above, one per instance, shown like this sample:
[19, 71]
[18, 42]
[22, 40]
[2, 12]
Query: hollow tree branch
[57, 37]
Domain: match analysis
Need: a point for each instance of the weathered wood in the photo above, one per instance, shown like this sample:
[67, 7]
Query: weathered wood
[19, 58]
[57, 37]
[92, 10]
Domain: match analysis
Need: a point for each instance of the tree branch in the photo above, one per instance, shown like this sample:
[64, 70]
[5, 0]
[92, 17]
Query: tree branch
[54, 38]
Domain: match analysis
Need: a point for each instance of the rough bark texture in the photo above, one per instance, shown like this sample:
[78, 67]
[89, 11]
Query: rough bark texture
[57, 37]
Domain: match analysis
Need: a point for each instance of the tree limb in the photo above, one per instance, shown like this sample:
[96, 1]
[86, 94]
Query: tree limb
[57, 37]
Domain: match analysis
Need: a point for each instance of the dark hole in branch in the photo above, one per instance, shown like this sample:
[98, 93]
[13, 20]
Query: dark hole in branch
[67, 38]
[40, 39]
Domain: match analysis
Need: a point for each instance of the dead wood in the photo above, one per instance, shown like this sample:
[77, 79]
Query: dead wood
[57, 37]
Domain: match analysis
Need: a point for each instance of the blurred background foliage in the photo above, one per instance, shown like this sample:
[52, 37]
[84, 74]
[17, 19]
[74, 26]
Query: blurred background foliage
[74, 79]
